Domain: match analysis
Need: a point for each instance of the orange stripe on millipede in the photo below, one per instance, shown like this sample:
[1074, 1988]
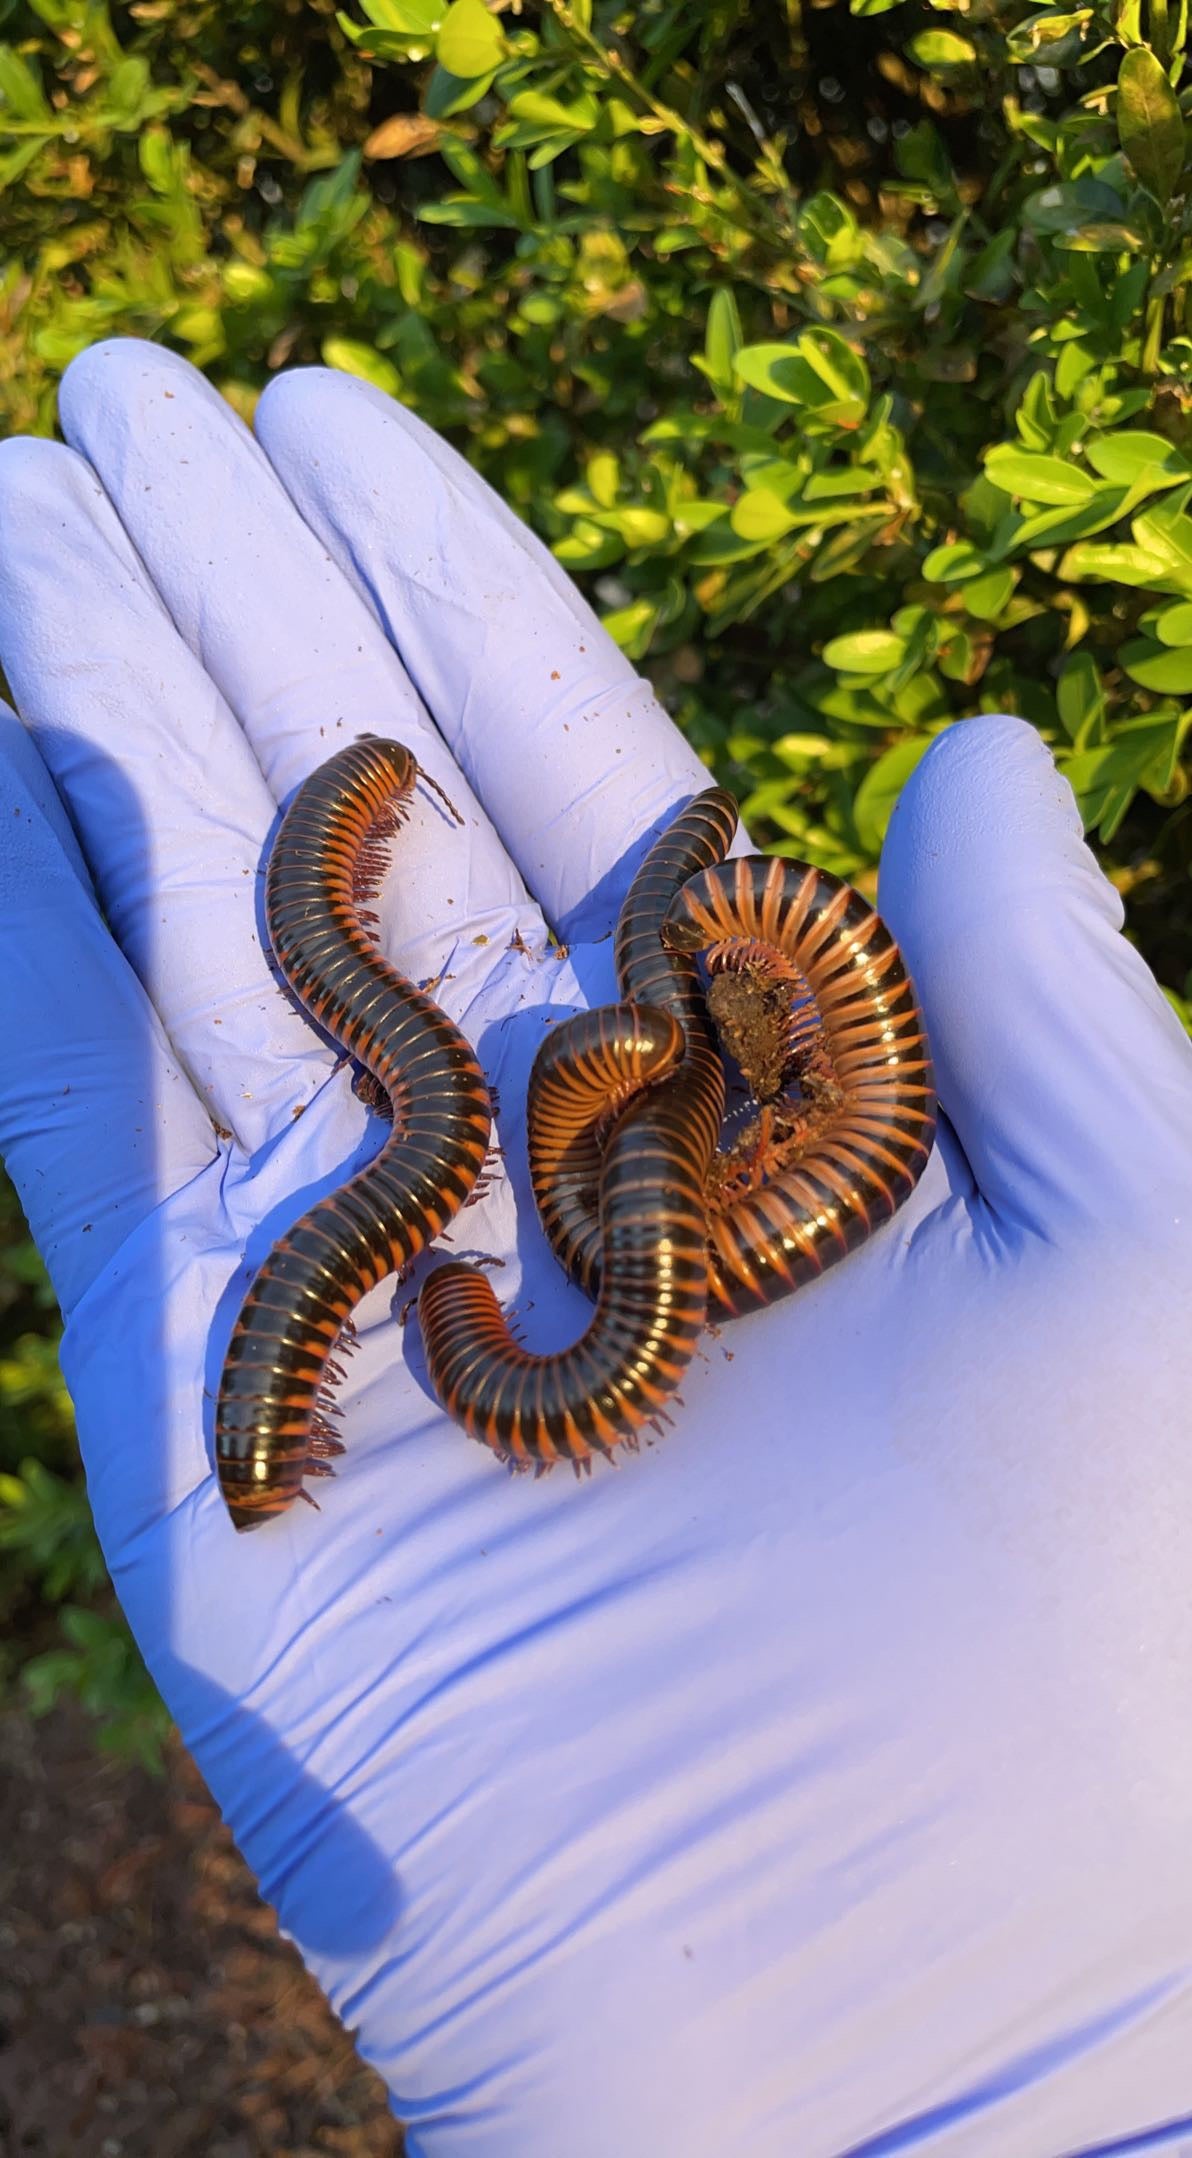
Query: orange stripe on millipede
[330, 842]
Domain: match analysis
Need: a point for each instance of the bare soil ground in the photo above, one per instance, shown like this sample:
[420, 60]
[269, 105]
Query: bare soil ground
[147, 2007]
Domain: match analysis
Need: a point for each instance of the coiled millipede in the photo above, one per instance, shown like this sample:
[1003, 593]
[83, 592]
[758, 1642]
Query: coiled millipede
[809, 993]
[570, 1110]
[803, 965]
[650, 1307]
[274, 1416]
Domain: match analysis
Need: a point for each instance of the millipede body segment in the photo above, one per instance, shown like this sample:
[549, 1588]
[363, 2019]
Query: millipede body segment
[566, 1148]
[273, 1424]
[536, 1410]
[833, 1165]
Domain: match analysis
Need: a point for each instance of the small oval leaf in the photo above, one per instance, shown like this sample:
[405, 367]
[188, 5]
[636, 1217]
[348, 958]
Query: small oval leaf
[942, 48]
[881, 787]
[470, 42]
[1122, 456]
[865, 651]
[1036, 478]
[1153, 666]
[1174, 626]
[1150, 123]
[761, 515]
[951, 563]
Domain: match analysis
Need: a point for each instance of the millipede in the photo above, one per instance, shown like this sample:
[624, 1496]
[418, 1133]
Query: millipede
[568, 1115]
[809, 994]
[275, 1413]
[798, 957]
[592, 1397]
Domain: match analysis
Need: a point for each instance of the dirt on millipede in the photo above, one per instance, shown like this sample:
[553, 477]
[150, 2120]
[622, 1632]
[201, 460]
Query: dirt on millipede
[148, 2008]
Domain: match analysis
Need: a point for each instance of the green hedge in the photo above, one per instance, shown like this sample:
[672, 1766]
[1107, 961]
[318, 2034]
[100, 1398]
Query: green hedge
[843, 353]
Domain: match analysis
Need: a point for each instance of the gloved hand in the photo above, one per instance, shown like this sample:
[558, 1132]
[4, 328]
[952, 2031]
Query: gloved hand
[819, 1781]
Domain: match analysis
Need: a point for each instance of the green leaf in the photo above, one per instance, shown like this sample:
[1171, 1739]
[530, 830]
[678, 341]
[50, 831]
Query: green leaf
[866, 651]
[1037, 419]
[691, 516]
[362, 361]
[986, 596]
[922, 633]
[723, 338]
[1080, 699]
[847, 547]
[632, 627]
[447, 94]
[820, 371]
[603, 476]
[1174, 625]
[1112, 565]
[1071, 204]
[952, 563]
[637, 525]
[1149, 122]
[578, 117]
[1124, 456]
[1103, 236]
[879, 790]
[830, 231]
[1166, 532]
[1056, 527]
[1038, 36]
[19, 158]
[841, 370]
[838, 486]
[721, 545]
[760, 514]
[470, 42]
[156, 155]
[21, 93]
[1154, 666]
[942, 48]
[956, 655]
[797, 751]
[1037, 478]
[1143, 753]
[922, 156]
[412, 18]
[586, 546]
[469, 213]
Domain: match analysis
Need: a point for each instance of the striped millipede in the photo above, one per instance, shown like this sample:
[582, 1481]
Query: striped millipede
[845, 1161]
[595, 1395]
[273, 1414]
[568, 1111]
[810, 1182]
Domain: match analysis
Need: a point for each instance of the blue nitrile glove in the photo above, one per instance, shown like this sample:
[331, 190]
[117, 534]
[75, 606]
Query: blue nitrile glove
[820, 1780]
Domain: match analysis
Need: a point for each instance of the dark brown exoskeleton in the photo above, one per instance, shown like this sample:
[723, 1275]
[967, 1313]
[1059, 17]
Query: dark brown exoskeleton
[275, 1413]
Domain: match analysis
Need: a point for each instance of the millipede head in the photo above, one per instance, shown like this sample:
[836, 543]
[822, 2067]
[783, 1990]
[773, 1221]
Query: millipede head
[681, 932]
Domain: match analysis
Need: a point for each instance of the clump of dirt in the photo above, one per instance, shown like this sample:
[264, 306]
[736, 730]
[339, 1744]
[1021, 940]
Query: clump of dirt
[751, 1013]
[148, 2008]
[767, 1022]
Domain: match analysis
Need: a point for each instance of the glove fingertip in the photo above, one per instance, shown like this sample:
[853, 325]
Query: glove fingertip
[986, 820]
